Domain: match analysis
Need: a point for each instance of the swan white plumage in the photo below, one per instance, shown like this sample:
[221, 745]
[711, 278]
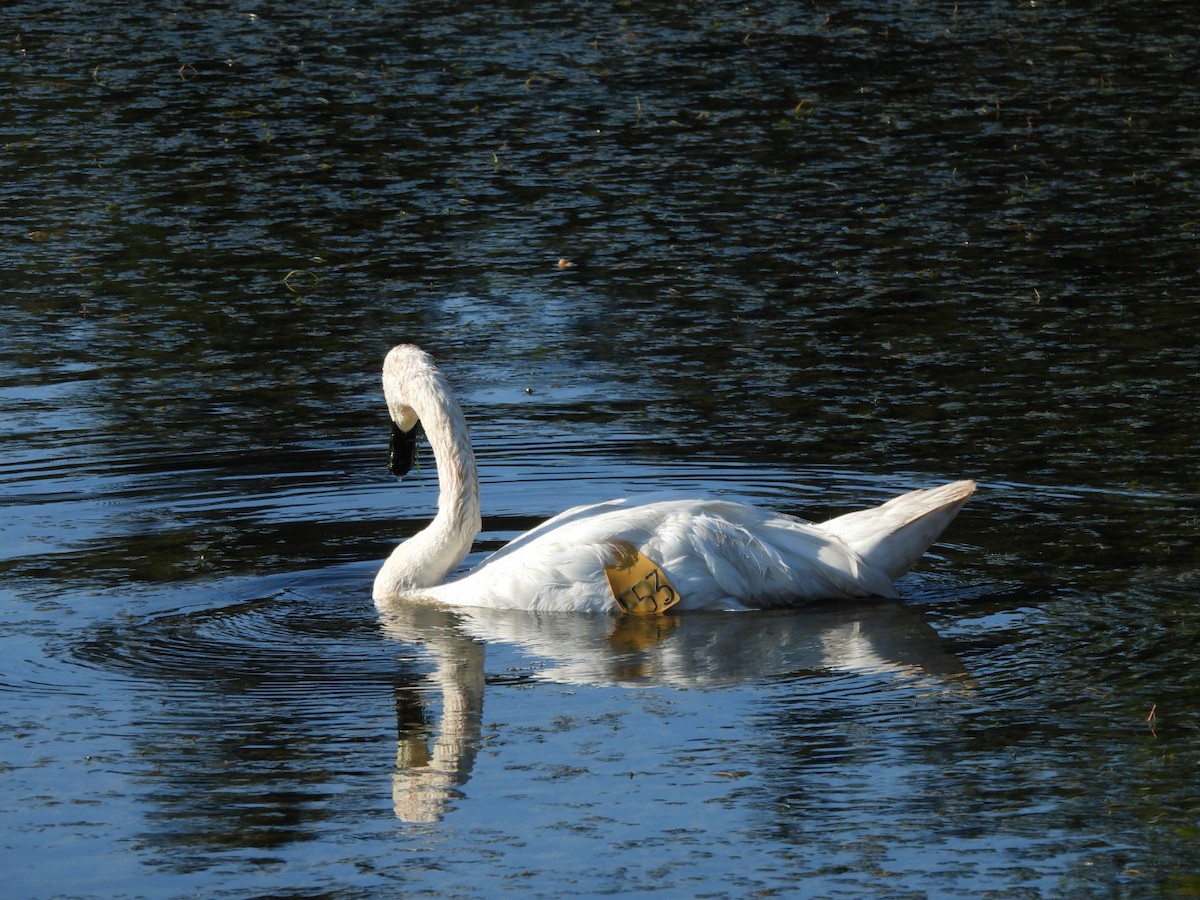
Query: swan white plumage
[716, 554]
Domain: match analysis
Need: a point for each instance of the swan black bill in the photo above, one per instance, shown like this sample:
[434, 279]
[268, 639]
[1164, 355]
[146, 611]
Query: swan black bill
[402, 450]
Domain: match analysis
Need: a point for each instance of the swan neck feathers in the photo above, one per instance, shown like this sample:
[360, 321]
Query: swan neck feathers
[417, 391]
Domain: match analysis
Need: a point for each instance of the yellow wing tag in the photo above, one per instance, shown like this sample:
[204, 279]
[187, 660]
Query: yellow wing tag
[639, 585]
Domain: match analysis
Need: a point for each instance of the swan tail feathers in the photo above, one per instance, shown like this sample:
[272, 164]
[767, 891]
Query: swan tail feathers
[892, 537]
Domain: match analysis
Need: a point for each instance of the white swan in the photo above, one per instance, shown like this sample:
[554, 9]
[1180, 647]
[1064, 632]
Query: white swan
[619, 557]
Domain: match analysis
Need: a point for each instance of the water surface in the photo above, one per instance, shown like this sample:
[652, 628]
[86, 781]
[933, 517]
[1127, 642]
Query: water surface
[815, 255]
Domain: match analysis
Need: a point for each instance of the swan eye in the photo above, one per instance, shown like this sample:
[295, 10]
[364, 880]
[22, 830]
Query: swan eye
[402, 450]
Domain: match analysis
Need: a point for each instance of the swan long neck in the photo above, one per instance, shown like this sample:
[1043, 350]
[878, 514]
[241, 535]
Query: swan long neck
[416, 390]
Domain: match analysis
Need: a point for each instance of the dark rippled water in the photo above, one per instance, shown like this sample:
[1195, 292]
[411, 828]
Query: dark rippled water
[813, 255]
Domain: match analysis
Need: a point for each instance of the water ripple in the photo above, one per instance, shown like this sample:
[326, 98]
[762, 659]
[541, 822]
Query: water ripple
[282, 645]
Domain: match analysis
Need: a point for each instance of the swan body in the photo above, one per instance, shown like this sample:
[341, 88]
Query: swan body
[717, 554]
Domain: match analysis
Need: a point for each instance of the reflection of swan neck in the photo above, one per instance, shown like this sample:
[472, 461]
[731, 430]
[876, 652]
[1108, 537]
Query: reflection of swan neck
[432, 763]
[425, 777]
[416, 391]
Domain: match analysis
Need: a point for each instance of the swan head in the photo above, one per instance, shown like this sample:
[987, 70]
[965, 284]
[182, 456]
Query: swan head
[408, 372]
[419, 400]
[410, 376]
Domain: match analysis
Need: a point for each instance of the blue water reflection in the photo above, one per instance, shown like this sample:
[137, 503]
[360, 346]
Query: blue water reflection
[682, 652]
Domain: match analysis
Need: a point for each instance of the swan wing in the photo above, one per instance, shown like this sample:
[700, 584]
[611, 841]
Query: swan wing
[717, 554]
[565, 517]
[761, 559]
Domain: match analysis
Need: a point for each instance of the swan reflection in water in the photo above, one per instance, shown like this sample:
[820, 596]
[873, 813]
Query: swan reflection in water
[696, 651]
